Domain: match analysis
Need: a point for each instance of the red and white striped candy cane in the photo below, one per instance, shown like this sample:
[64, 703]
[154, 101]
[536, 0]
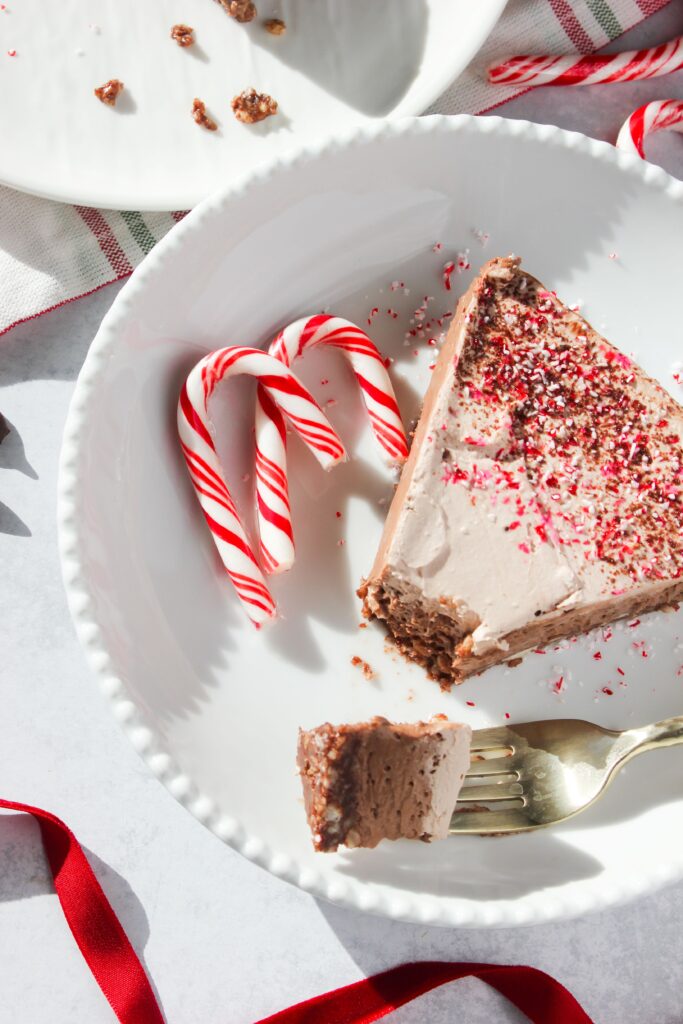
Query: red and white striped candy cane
[300, 408]
[272, 492]
[596, 69]
[653, 117]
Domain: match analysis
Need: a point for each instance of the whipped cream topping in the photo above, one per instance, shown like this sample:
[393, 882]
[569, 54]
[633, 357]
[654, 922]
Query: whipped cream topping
[549, 475]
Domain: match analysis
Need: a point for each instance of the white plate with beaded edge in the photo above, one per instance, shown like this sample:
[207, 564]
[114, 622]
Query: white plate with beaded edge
[213, 706]
[340, 62]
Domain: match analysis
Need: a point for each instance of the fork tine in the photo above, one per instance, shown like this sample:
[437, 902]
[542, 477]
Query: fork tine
[485, 822]
[490, 794]
[492, 766]
[491, 739]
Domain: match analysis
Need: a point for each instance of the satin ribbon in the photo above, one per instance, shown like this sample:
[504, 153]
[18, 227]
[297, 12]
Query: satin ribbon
[93, 923]
[121, 976]
[534, 992]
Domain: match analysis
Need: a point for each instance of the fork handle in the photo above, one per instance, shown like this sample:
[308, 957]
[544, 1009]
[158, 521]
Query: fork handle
[666, 733]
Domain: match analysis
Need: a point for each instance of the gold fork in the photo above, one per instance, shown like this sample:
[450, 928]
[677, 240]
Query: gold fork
[529, 776]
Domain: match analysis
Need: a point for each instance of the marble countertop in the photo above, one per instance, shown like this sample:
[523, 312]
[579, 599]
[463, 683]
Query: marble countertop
[221, 939]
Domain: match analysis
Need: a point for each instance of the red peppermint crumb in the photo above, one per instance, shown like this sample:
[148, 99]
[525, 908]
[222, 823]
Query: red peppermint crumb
[597, 656]
[470, 704]
[507, 714]
[558, 685]
[538, 650]
[632, 625]
[524, 547]
[324, 381]
[11, 53]
[338, 515]
[620, 671]
[606, 690]
[447, 273]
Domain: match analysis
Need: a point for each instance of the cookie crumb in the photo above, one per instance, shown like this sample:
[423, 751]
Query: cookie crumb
[183, 35]
[240, 10]
[251, 106]
[109, 92]
[363, 665]
[201, 117]
[275, 26]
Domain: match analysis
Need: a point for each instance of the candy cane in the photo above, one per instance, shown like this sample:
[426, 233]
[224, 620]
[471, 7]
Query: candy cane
[596, 69]
[652, 117]
[297, 404]
[272, 492]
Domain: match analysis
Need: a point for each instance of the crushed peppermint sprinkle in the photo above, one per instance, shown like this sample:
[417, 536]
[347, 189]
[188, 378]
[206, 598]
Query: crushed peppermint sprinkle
[437, 247]
[470, 704]
[605, 461]
[558, 685]
[597, 656]
[507, 714]
[11, 53]
[481, 236]
[606, 690]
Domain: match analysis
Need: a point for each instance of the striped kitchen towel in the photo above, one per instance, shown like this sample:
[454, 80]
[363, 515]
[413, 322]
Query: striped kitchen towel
[51, 253]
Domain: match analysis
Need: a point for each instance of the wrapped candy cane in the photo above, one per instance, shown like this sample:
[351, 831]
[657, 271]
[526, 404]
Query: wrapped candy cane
[300, 408]
[596, 69]
[272, 493]
[652, 117]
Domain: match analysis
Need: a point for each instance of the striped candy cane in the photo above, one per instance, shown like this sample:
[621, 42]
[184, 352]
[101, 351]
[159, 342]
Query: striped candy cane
[653, 117]
[297, 404]
[596, 69]
[272, 492]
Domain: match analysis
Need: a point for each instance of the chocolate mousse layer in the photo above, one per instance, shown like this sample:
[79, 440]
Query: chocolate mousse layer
[543, 495]
[377, 780]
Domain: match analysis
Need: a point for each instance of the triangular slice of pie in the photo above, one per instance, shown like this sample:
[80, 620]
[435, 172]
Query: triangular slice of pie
[543, 495]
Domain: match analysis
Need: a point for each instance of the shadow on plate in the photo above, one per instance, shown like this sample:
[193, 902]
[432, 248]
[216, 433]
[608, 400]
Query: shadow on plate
[471, 868]
[387, 44]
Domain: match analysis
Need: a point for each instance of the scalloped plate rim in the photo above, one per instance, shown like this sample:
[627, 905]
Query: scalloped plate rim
[349, 892]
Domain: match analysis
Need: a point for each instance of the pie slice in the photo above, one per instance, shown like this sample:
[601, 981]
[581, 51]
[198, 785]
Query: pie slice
[375, 780]
[543, 495]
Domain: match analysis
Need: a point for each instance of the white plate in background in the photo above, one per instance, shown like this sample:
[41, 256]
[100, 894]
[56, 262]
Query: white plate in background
[214, 706]
[340, 62]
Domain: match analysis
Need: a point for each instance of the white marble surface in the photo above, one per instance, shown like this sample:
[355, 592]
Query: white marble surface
[222, 940]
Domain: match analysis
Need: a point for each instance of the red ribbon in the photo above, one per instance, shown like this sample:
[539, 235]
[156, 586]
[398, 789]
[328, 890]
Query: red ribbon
[122, 978]
[534, 992]
[93, 923]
